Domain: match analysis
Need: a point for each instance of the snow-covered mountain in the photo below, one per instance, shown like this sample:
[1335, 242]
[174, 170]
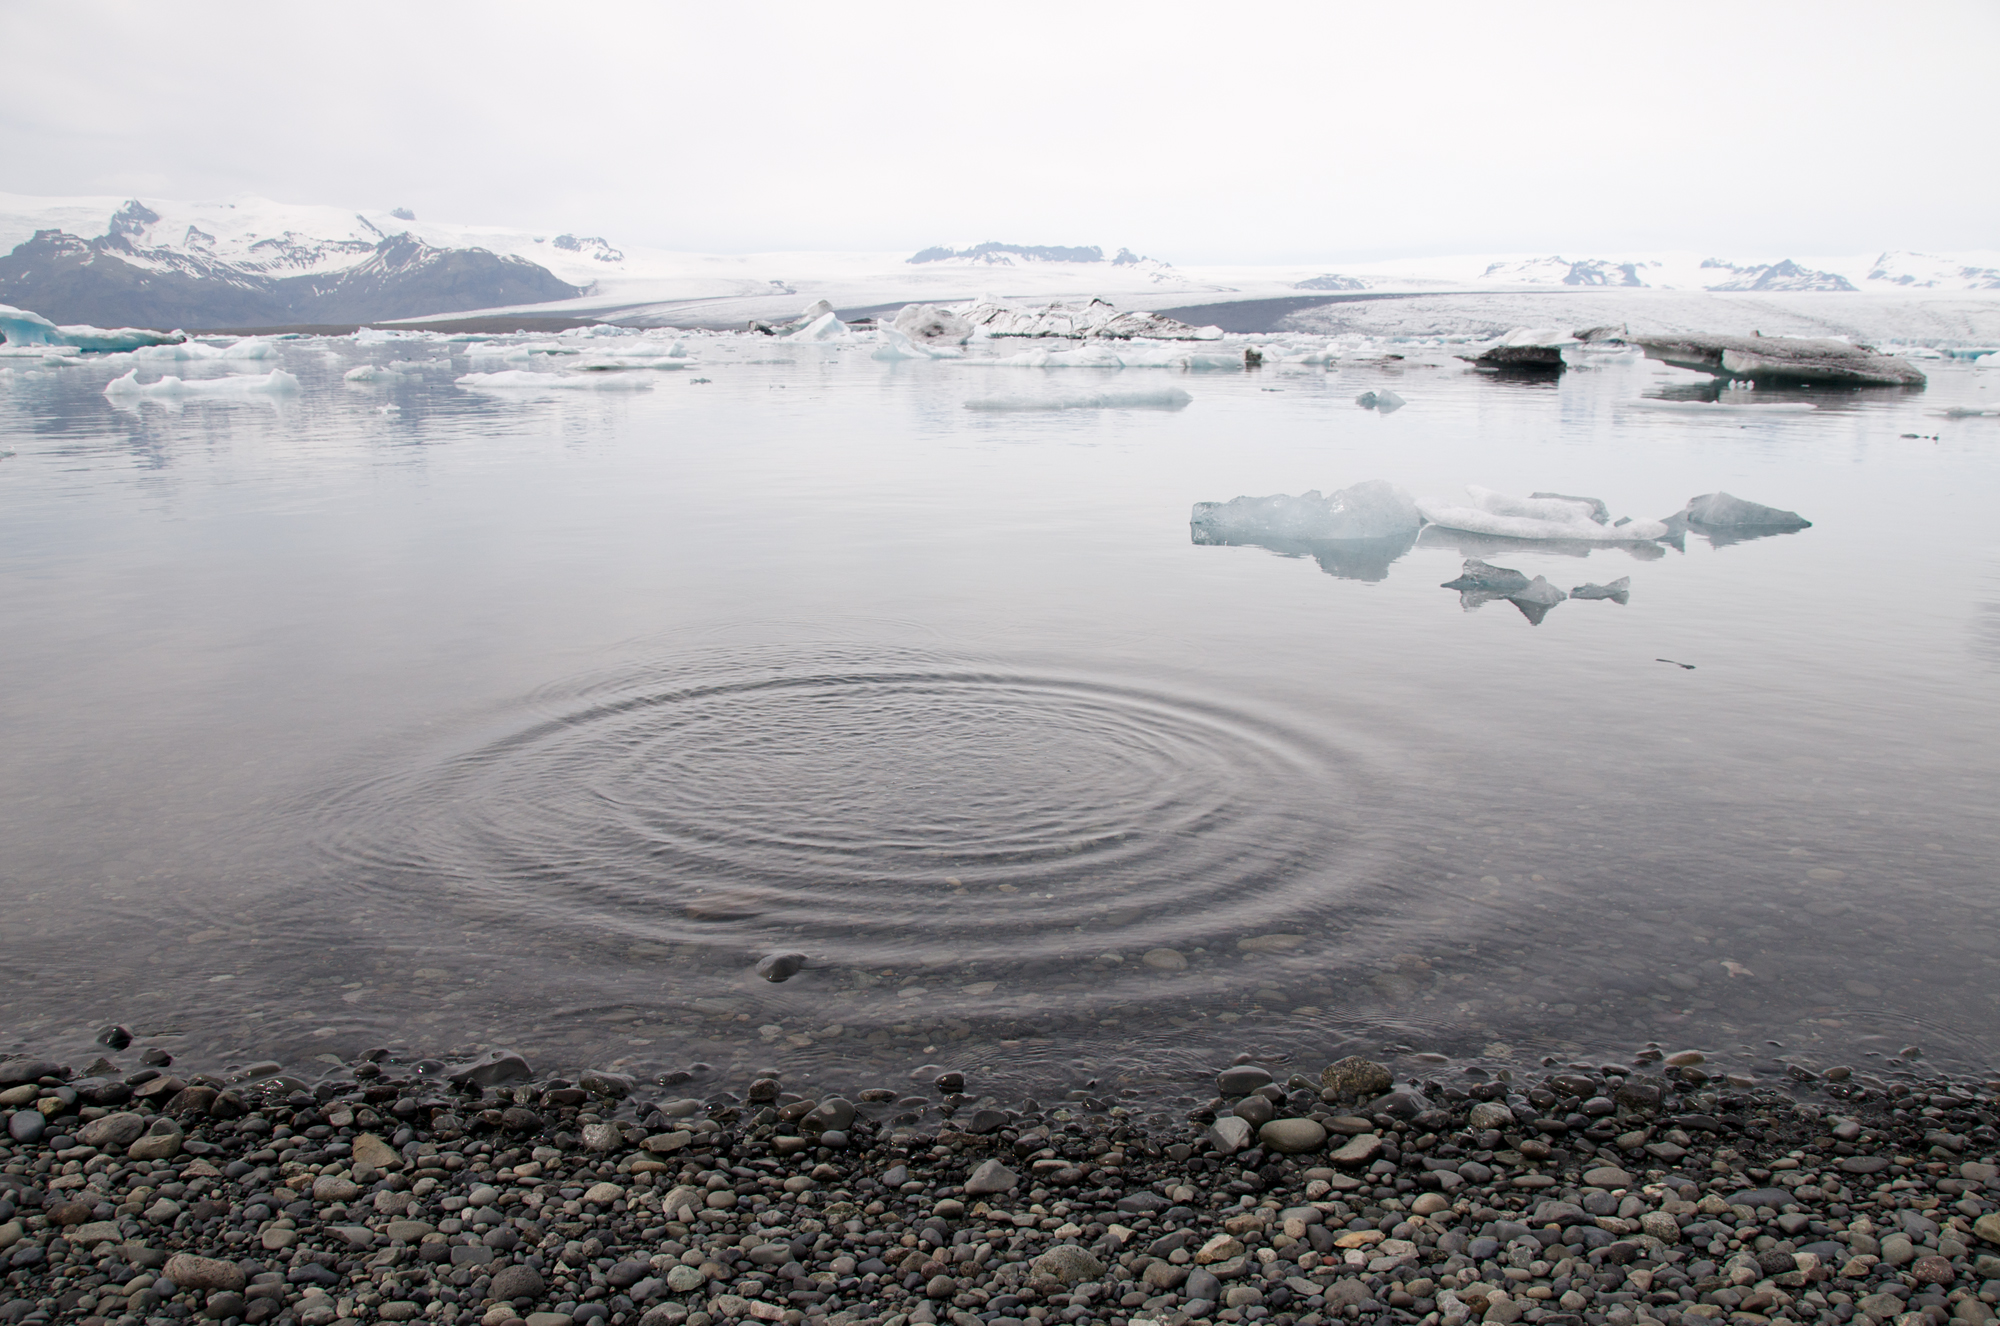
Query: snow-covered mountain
[252, 262]
[138, 267]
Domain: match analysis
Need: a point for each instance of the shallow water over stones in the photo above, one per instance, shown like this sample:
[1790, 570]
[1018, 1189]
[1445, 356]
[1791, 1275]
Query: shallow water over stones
[537, 723]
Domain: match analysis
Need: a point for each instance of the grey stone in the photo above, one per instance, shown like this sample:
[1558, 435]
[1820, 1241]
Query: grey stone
[113, 1130]
[1069, 1264]
[14, 1072]
[512, 1282]
[1202, 1284]
[1357, 1151]
[1292, 1136]
[27, 1125]
[990, 1177]
[1254, 1110]
[781, 966]
[834, 1114]
[1489, 1114]
[203, 1273]
[496, 1068]
[1230, 1134]
[160, 1141]
[1241, 1080]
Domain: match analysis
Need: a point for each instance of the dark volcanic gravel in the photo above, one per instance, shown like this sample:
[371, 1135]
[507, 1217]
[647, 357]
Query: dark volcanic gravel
[412, 1192]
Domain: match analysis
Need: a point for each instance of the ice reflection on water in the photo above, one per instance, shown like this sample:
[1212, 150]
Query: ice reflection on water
[535, 721]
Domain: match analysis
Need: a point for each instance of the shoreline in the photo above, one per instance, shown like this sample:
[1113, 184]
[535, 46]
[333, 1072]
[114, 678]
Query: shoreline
[1570, 1196]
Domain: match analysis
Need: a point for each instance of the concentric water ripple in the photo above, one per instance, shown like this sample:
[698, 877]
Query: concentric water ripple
[869, 810]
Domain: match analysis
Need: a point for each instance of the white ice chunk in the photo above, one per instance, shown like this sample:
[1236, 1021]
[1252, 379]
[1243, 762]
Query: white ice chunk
[1135, 398]
[1371, 510]
[520, 379]
[249, 347]
[825, 327]
[275, 383]
[1506, 517]
[393, 371]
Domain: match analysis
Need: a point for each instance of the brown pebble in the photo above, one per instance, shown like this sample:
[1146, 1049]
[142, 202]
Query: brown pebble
[1932, 1271]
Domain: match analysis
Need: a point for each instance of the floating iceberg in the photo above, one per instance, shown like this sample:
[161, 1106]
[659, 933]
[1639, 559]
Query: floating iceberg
[1144, 398]
[275, 383]
[826, 327]
[249, 347]
[520, 379]
[22, 328]
[1371, 510]
[1525, 349]
[1554, 518]
[1723, 407]
[1781, 358]
[1097, 318]
[1382, 402]
[1722, 511]
[1618, 591]
[894, 343]
[393, 371]
[930, 325]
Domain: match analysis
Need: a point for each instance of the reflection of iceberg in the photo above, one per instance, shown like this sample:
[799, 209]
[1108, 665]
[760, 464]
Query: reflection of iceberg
[1354, 533]
[1480, 583]
[1554, 518]
[1490, 545]
[1125, 354]
[1131, 398]
[521, 379]
[1722, 407]
[1724, 519]
[275, 383]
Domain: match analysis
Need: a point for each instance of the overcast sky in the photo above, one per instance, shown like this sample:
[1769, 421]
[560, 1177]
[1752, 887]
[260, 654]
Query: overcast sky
[1210, 132]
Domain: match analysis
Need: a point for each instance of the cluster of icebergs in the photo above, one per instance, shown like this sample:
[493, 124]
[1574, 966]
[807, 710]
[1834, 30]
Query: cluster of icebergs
[1357, 532]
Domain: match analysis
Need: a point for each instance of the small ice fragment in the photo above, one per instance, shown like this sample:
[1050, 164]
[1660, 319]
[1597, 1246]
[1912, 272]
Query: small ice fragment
[1618, 591]
[1382, 402]
[825, 327]
[1476, 574]
[1540, 593]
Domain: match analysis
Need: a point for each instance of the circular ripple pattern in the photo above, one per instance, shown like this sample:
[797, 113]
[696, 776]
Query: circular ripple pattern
[871, 811]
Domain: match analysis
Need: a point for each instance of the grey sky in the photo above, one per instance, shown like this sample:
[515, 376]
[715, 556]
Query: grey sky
[1196, 132]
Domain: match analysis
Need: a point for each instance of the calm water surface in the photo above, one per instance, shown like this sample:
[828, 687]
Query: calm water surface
[534, 720]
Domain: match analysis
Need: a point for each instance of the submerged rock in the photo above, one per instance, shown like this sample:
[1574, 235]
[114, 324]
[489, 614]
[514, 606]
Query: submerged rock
[1781, 359]
[777, 967]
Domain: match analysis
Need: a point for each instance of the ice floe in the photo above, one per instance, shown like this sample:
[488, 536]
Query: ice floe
[825, 327]
[1371, 510]
[275, 383]
[521, 379]
[1581, 520]
[893, 342]
[248, 348]
[1128, 398]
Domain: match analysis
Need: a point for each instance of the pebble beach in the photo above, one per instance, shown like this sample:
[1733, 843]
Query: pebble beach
[484, 1191]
